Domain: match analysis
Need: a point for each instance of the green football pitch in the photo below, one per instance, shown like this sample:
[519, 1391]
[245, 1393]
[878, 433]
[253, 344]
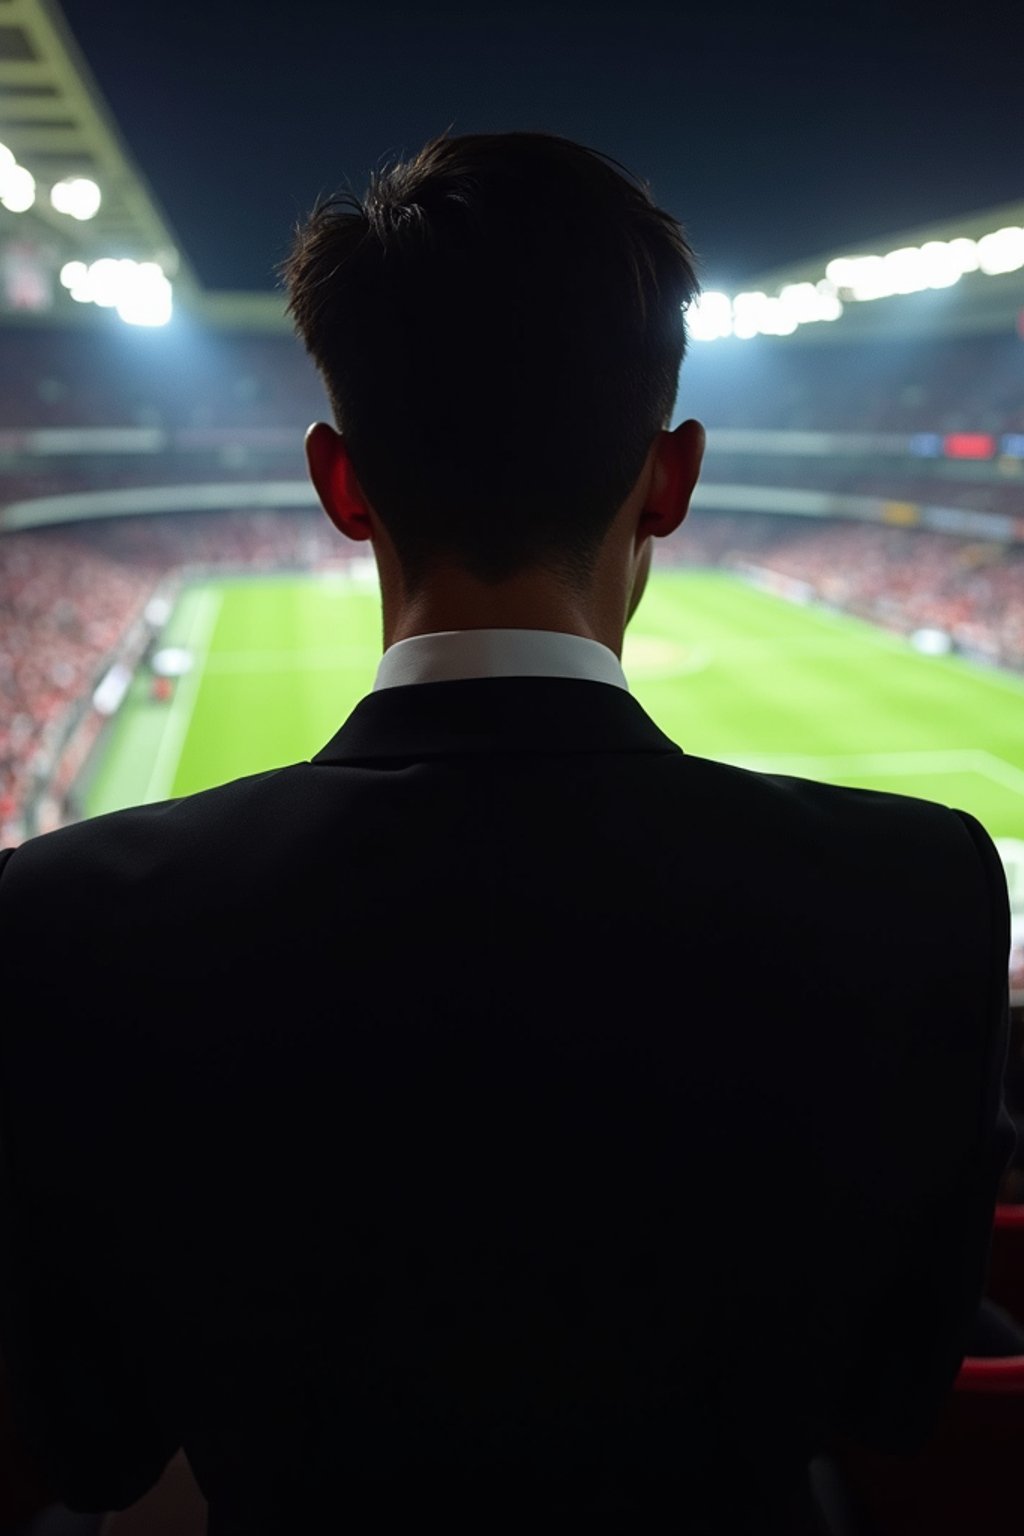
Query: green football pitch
[727, 671]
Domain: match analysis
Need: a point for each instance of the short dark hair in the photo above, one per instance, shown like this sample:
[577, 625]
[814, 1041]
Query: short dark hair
[499, 326]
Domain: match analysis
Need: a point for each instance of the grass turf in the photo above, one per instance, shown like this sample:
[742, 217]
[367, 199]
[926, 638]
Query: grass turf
[727, 671]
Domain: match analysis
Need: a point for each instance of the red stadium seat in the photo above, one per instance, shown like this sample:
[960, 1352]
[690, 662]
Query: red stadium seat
[1006, 1268]
[966, 1481]
[999, 1376]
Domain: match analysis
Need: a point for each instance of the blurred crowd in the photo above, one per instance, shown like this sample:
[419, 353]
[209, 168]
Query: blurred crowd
[905, 580]
[903, 385]
[69, 595]
[132, 378]
[63, 608]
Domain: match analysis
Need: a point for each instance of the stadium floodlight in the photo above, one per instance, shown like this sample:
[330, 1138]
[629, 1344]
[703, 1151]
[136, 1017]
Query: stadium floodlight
[77, 196]
[147, 297]
[965, 252]
[17, 188]
[758, 315]
[710, 316]
[747, 309]
[908, 269]
[801, 301]
[776, 320]
[940, 264]
[841, 271]
[73, 274]
[106, 279]
[861, 277]
[138, 290]
[830, 304]
[873, 279]
[6, 160]
[810, 302]
[1002, 250]
[905, 269]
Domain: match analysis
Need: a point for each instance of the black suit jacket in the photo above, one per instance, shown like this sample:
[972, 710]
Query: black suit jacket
[383, 1128]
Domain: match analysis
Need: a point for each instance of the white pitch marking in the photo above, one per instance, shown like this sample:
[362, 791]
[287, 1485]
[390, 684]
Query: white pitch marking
[168, 755]
[962, 761]
[965, 760]
[1000, 771]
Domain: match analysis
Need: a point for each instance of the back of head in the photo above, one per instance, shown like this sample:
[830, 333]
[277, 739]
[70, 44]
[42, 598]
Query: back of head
[499, 325]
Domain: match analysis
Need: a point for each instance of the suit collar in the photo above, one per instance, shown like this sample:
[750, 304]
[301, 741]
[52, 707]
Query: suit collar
[495, 715]
[452, 654]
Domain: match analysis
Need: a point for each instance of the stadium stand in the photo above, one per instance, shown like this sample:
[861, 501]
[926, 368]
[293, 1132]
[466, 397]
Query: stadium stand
[944, 384]
[908, 580]
[63, 607]
[58, 377]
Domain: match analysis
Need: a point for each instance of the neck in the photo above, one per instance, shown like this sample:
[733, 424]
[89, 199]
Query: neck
[455, 600]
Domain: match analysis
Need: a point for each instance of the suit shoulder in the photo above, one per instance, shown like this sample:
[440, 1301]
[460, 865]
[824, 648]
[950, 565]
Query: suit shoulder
[803, 797]
[134, 844]
[873, 835]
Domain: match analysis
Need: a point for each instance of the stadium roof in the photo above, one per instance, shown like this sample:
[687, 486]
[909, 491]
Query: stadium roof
[978, 303]
[55, 121]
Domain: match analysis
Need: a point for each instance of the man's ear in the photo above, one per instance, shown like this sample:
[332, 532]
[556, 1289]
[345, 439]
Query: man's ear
[334, 479]
[677, 462]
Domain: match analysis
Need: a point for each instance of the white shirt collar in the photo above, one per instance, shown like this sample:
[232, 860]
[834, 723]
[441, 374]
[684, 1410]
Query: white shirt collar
[451, 654]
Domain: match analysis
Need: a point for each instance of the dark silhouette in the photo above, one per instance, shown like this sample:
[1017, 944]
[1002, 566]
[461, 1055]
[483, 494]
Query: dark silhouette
[372, 1126]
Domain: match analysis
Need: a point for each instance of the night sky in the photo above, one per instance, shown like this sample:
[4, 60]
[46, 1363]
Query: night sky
[772, 137]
